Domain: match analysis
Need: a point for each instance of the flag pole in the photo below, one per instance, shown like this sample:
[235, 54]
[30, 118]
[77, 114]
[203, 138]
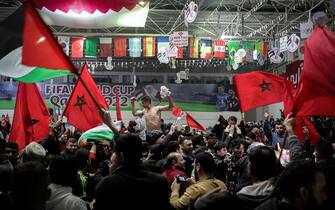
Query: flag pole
[88, 90]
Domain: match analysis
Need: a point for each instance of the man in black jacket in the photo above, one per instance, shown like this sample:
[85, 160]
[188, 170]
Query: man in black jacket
[132, 184]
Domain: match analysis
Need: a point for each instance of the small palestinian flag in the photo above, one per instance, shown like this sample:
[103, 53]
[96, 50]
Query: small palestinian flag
[29, 52]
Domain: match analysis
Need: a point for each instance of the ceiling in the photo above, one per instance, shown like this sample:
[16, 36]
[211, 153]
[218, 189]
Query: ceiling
[236, 19]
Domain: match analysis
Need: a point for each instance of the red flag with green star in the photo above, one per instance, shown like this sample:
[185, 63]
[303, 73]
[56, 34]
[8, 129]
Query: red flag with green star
[257, 89]
[81, 111]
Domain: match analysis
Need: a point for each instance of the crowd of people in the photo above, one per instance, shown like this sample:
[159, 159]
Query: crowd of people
[235, 165]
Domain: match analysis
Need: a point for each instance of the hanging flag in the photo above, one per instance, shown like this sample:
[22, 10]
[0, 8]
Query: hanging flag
[117, 104]
[316, 91]
[193, 123]
[219, 49]
[206, 49]
[31, 116]
[249, 47]
[120, 47]
[162, 42]
[135, 47]
[233, 47]
[180, 52]
[149, 46]
[77, 47]
[27, 46]
[257, 89]
[91, 46]
[80, 110]
[194, 48]
[105, 47]
[177, 112]
[64, 42]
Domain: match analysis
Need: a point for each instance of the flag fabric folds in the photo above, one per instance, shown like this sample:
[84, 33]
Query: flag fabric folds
[77, 47]
[101, 132]
[135, 47]
[120, 47]
[149, 46]
[256, 89]
[105, 46]
[219, 48]
[91, 46]
[64, 42]
[177, 112]
[180, 52]
[80, 110]
[31, 116]
[193, 123]
[194, 47]
[316, 91]
[27, 46]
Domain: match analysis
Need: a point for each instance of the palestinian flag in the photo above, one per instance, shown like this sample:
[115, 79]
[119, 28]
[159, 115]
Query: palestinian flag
[101, 132]
[29, 52]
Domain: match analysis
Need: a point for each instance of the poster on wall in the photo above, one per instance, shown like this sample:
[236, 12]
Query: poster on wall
[189, 97]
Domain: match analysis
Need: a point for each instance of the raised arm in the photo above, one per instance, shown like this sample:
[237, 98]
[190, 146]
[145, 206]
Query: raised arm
[133, 109]
[166, 107]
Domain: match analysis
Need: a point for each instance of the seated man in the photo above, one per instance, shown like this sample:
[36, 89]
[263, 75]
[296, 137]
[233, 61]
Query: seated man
[204, 169]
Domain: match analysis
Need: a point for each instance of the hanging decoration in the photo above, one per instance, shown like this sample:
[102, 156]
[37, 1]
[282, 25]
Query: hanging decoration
[162, 55]
[235, 66]
[320, 18]
[178, 80]
[293, 43]
[276, 56]
[260, 59]
[191, 12]
[109, 65]
[93, 14]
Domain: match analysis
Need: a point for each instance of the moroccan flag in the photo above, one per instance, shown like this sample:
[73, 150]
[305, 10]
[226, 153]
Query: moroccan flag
[77, 47]
[105, 47]
[194, 48]
[120, 47]
[91, 46]
[64, 42]
[177, 112]
[193, 123]
[29, 52]
[117, 104]
[135, 47]
[31, 116]
[233, 47]
[256, 89]
[206, 49]
[149, 46]
[219, 49]
[80, 110]
[300, 122]
[316, 91]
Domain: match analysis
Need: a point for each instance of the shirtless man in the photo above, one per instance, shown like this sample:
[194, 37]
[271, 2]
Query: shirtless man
[152, 114]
